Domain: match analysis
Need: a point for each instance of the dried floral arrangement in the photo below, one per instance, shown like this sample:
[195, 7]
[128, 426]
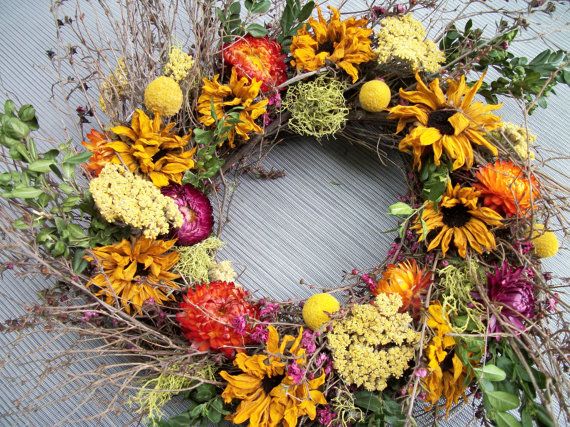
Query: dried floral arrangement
[459, 312]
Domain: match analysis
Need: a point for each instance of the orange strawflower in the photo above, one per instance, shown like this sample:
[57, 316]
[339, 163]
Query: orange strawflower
[406, 279]
[506, 188]
[101, 153]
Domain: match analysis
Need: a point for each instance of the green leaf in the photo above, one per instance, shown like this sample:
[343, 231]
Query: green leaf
[78, 158]
[27, 113]
[78, 263]
[502, 401]
[41, 166]
[400, 209]
[26, 192]
[202, 136]
[504, 419]
[368, 401]
[182, 420]
[260, 7]
[9, 107]
[306, 11]
[256, 30]
[8, 142]
[491, 373]
[235, 8]
[59, 249]
[20, 224]
[15, 128]
[204, 393]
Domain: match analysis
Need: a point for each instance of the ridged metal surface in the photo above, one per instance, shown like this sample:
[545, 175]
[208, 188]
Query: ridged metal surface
[326, 216]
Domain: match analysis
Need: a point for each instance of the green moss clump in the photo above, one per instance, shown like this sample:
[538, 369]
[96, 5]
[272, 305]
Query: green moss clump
[458, 283]
[196, 261]
[317, 108]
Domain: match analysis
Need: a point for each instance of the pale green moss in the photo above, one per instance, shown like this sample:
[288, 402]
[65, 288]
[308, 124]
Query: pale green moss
[458, 284]
[196, 261]
[317, 108]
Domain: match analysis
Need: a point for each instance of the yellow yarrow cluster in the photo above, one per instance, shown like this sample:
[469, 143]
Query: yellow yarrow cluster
[519, 138]
[402, 40]
[179, 64]
[373, 343]
[121, 196]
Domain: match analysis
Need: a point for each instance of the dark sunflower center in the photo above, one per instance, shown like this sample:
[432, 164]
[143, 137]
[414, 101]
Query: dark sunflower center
[447, 363]
[457, 216]
[327, 47]
[160, 154]
[269, 383]
[439, 119]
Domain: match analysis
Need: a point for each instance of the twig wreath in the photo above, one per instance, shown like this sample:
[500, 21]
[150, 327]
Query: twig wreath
[125, 226]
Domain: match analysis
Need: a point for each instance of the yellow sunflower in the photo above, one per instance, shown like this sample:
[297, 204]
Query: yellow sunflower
[153, 150]
[344, 43]
[269, 395]
[239, 93]
[135, 271]
[446, 377]
[460, 220]
[447, 123]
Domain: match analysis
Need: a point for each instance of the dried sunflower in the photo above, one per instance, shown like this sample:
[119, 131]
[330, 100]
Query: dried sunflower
[447, 123]
[153, 150]
[269, 395]
[460, 220]
[447, 375]
[238, 93]
[344, 43]
[506, 188]
[135, 271]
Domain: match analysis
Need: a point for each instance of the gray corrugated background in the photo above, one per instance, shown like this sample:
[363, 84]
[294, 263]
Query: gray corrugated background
[327, 215]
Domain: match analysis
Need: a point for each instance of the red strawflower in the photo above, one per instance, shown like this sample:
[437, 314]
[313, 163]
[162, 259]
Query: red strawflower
[209, 315]
[259, 59]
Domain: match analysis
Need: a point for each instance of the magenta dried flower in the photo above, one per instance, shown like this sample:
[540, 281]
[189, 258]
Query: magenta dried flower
[308, 341]
[239, 324]
[511, 288]
[296, 373]
[267, 309]
[325, 416]
[260, 333]
[196, 210]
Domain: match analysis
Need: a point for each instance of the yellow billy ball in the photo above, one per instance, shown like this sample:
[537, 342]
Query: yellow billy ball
[374, 96]
[545, 242]
[317, 309]
[164, 96]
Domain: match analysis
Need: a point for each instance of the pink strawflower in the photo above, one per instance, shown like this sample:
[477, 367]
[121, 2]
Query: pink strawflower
[197, 211]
